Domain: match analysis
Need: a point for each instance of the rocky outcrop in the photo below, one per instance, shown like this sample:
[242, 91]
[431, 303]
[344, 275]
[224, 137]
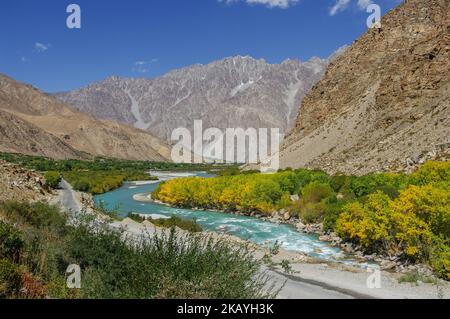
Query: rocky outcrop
[19, 184]
[38, 124]
[384, 104]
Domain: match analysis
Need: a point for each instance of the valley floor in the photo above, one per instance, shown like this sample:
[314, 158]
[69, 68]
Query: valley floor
[309, 279]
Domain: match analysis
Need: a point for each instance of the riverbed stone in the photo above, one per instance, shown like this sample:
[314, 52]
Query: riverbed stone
[388, 265]
[300, 226]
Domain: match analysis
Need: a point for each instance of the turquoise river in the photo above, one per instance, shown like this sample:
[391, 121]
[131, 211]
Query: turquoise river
[248, 228]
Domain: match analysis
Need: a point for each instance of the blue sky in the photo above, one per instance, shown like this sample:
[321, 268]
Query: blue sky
[147, 38]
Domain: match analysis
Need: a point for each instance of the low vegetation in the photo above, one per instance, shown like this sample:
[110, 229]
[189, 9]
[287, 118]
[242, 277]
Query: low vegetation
[189, 225]
[43, 164]
[99, 182]
[173, 221]
[100, 175]
[37, 245]
[53, 179]
[381, 213]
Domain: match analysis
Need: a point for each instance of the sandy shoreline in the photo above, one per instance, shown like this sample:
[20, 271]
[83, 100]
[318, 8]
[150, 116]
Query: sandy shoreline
[143, 197]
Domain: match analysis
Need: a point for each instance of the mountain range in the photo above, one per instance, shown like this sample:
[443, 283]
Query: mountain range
[233, 92]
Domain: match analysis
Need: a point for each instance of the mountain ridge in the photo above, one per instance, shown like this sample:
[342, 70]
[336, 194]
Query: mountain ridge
[64, 132]
[383, 105]
[236, 91]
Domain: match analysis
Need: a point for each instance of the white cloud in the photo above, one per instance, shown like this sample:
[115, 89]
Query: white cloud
[363, 4]
[23, 59]
[41, 47]
[339, 6]
[283, 4]
[143, 66]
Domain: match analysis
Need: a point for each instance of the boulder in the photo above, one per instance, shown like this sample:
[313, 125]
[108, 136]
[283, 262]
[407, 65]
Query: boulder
[300, 226]
[388, 265]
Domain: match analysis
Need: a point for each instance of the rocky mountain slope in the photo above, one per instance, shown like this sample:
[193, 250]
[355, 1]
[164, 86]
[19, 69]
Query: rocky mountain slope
[233, 92]
[19, 136]
[385, 103]
[35, 123]
[17, 183]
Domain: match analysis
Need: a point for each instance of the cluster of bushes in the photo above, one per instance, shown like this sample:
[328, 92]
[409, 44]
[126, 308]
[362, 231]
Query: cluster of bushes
[384, 213]
[173, 221]
[36, 251]
[99, 182]
[416, 223]
[244, 192]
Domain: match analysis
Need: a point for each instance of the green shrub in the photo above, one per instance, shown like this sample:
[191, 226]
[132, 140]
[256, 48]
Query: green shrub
[369, 184]
[316, 192]
[414, 277]
[332, 213]
[99, 181]
[167, 266]
[11, 243]
[430, 173]
[440, 256]
[174, 221]
[315, 198]
[40, 215]
[285, 201]
[312, 212]
[10, 279]
[338, 182]
[52, 179]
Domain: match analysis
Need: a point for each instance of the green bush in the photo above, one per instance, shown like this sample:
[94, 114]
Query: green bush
[332, 213]
[10, 279]
[52, 179]
[173, 221]
[431, 173]
[11, 243]
[338, 182]
[167, 266]
[369, 184]
[99, 182]
[315, 198]
[315, 192]
[39, 215]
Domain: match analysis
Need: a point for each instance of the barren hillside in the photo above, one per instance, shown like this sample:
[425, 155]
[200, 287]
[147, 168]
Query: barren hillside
[385, 103]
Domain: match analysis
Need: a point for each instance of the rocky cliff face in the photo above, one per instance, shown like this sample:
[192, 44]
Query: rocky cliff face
[385, 103]
[35, 123]
[234, 92]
